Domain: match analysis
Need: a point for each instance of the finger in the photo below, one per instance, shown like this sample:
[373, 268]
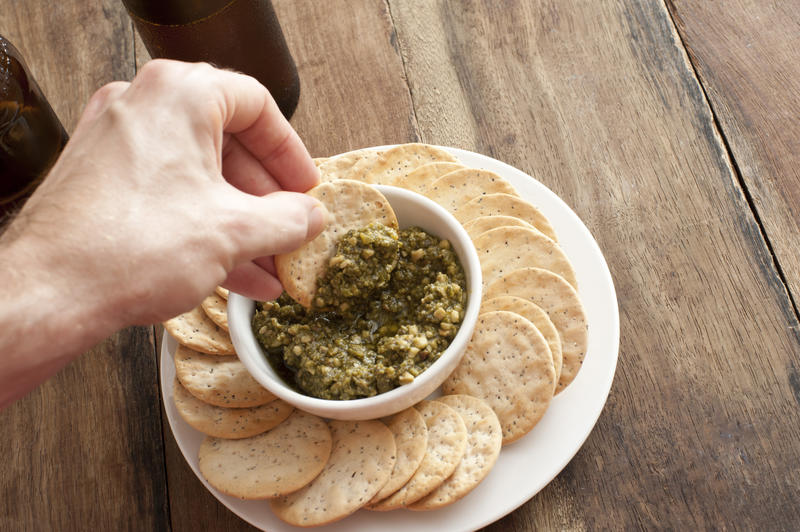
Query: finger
[268, 225]
[250, 113]
[268, 263]
[250, 280]
[99, 102]
[244, 172]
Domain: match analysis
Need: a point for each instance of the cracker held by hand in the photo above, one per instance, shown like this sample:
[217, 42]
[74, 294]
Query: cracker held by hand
[360, 464]
[351, 205]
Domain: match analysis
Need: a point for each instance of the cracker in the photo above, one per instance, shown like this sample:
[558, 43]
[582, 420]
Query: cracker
[216, 308]
[411, 440]
[361, 461]
[506, 205]
[484, 439]
[452, 191]
[447, 439]
[481, 224]
[196, 330]
[270, 464]
[506, 249]
[341, 166]
[508, 364]
[222, 292]
[398, 161]
[351, 205]
[535, 315]
[419, 179]
[319, 160]
[562, 304]
[231, 423]
[220, 381]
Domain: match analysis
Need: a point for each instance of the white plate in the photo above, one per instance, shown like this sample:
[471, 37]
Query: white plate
[525, 466]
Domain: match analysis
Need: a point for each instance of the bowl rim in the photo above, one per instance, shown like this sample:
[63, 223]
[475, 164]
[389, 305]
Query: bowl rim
[244, 342]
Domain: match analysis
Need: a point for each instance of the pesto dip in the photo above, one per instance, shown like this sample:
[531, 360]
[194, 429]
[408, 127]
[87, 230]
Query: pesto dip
[385, 310]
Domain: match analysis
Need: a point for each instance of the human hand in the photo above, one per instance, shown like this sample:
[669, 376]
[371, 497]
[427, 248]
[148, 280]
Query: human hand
[183, 179]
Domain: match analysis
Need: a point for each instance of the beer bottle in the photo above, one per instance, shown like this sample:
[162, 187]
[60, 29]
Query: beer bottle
[240, 34]
[31, 136]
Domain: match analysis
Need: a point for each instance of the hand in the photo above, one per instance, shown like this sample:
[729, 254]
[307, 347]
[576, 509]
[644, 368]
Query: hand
[171, 185]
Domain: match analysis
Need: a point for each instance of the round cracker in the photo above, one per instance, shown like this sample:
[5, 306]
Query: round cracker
[508, 364]
[447, 439]
[231, 423]
[216, 308]
[506, 249]
[563, 306]
[341, 166]
[398, 161]
[411, 440]
[351, 205]
[535, 315]
[219, 381]
[361, 461]
[222, 292]
[270, 464]
[452, 191]
[481, 224]
[319, 160]
[484, 439]
[506, 205]
[195, 330]
[419, 179]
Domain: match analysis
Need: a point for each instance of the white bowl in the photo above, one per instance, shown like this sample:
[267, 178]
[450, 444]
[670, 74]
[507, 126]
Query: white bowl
[411, 209]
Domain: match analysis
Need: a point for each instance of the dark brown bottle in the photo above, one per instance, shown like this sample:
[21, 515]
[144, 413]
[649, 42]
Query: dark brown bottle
[31, 136]
[243, 35]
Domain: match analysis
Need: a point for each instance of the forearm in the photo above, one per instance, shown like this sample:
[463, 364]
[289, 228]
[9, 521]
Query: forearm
[45, 319]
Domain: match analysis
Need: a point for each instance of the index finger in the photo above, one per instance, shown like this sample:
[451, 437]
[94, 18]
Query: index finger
[250, 113]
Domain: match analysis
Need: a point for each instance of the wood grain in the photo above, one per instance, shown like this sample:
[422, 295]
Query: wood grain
[598, 101]
[84, 449]
[745, 53]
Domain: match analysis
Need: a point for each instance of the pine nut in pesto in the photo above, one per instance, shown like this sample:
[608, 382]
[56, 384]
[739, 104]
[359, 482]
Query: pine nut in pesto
[387, 307]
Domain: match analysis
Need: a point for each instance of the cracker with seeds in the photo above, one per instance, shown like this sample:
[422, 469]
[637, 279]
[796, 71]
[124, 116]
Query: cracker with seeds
[230, 423]
[447, 439]
[217, 380]
[411, 440]
[535, 315]
[506, 249]
[481, 224]
[216, 308]
[563, 306]
[508, 364]
[484, 439]
[341, 166]
[195, 329]
[351, 205]
[506, 205]
[270, 464]
[419, 179]
[222, 292]
[361, 461]
[452, 191]
[398, 161]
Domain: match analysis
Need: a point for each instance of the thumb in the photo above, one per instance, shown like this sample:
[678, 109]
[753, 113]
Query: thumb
[277, 223]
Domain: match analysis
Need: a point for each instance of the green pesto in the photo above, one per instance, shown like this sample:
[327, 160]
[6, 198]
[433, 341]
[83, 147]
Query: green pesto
[388, 306]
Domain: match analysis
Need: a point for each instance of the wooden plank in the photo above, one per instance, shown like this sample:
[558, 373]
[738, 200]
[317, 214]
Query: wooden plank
[85, 448]
[746, 56]
[597, 100]
[353, 94]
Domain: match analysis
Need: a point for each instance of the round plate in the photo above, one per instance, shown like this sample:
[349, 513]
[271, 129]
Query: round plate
[525, 466]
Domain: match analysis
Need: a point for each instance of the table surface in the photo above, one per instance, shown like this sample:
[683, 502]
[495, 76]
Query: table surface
[671, 128]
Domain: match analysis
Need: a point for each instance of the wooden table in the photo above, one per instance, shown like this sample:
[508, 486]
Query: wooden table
[672, 130]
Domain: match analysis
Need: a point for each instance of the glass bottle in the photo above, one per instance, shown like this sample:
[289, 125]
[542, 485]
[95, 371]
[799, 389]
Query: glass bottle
[243, 35]
[31, 135]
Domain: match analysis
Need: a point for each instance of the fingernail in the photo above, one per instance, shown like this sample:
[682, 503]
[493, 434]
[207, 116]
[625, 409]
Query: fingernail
[316, 220]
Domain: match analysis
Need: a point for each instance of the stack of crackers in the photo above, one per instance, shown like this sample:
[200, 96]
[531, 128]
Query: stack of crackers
[528, 345]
